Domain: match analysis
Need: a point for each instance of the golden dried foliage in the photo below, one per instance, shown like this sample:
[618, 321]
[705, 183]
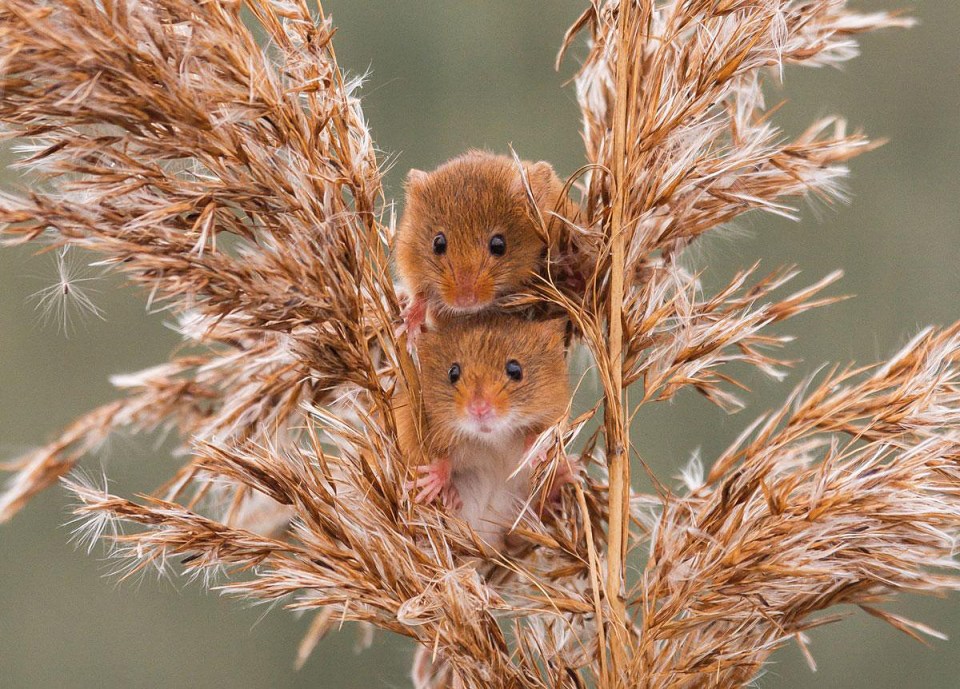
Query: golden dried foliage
[239, 186]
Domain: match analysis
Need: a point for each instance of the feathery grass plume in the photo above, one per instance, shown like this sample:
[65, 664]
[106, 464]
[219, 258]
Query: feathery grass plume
[238, 186]
[679, 141]
[67, 302]
[845, 495]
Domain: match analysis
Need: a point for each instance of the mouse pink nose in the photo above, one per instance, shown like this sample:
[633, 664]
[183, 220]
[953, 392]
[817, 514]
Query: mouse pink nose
[465, 297]
[480, 408]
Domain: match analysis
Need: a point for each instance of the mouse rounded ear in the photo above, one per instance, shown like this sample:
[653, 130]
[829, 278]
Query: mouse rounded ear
[555, 330]
[543, 182]
[415, 179]
[542, 171]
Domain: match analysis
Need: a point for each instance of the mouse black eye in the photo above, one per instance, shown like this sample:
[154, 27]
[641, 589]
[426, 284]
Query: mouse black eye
[498, 245]
[514, 370]
[454, 373]
[440, 244]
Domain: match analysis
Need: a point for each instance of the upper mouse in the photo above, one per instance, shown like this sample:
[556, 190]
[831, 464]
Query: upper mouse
[469, 234]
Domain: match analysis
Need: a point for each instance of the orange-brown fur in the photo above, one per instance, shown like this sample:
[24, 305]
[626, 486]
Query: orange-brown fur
[486, 468]
[471, 198]
[482, 346]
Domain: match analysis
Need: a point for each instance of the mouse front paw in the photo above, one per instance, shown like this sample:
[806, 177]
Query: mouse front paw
[569, 274]
[435, 481]
[450, 498]
[567, 472]
[414, 321]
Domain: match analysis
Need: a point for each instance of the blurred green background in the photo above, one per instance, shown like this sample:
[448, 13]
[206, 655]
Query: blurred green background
[444, 77]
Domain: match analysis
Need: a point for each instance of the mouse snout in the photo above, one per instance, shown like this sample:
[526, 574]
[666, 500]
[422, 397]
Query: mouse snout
[465, 296]
[480, 408]
[468, 291]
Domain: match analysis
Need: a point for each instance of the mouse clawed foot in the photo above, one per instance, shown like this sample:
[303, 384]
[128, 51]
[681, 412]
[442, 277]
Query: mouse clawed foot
[569, 274]
[436, 481]
[567, 472]
[541, 458]
[451, 498]
[528, 442]
[414, 316]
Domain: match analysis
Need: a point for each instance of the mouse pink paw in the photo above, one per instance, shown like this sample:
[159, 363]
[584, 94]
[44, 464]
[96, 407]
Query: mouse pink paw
[436, 481]
[569, 274]
[567, 471]
[451, 498]
[414, 321]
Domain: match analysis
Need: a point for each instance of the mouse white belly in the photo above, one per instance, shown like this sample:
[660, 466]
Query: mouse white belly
[492, 490]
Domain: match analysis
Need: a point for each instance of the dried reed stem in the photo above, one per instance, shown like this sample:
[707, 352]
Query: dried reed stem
[615, 418]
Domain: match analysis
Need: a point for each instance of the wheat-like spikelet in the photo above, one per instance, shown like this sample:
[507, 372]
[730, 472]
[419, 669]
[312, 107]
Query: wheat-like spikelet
[845, 495]
[239, 187]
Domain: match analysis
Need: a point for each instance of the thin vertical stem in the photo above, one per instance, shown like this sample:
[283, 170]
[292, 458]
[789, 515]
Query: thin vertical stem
[614, 410]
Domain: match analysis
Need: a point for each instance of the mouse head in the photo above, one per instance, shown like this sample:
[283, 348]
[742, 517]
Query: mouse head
[491, 376]
[468, 235]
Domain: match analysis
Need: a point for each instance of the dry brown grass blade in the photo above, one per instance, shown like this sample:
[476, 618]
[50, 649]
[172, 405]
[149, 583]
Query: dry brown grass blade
[616, 434]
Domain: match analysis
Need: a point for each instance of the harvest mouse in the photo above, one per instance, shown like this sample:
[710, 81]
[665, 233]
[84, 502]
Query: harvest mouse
[469, 235]
[490, 385]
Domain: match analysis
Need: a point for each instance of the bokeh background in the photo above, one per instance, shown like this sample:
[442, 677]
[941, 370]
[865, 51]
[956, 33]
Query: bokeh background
[444, 77]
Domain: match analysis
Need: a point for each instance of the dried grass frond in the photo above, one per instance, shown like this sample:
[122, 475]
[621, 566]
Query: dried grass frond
[847, 494]
[238, 187]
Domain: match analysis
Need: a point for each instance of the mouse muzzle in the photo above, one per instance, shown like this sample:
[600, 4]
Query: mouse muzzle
[480, 409]
[482, 414]
[465, 297]
[468, 293]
